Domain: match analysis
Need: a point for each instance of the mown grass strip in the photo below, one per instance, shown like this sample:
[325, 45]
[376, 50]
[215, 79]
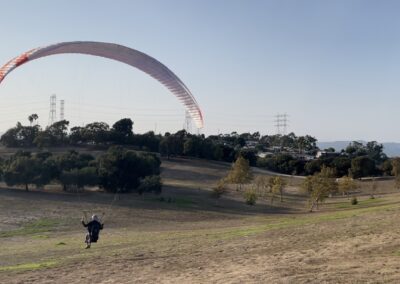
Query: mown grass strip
[29, 266]
[35, 227]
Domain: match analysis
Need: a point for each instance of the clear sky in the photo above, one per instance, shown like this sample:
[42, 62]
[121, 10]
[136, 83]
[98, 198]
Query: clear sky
[332, 66]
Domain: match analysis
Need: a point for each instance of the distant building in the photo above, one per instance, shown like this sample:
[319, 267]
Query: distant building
[264, 154]
[324, 154]
[251, 144]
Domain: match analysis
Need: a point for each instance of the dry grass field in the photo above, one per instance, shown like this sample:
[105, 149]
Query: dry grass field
[189, 237]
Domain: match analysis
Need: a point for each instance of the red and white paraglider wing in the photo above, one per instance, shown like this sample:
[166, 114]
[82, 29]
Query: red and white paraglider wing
[120, 53]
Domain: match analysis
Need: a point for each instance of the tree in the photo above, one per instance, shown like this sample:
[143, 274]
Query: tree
[122, 130]
[122, 170]
[93, 133]
[150, 184]
[20, 136]
[386, 167]
[33, 117]
[192, 146]
[68, 166]
[320, 185]
[355, 149]
[346, 184]
[396, 171]
[172, 144]
[362, 166]
[21, 169]
[79, 178]
[220, 188]
[261, 183]
[54, 135]
[375, 152]
[249, 155]
[47, 169]
[374, 187]
[341, 165]
[279, 186]
[240, 172]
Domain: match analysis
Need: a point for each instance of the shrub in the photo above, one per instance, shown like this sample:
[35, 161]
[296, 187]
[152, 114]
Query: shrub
[354, 201]
[250, 197]
[150, 184]
[220, 189]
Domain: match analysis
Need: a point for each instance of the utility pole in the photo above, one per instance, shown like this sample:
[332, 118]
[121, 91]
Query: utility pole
[52, 112]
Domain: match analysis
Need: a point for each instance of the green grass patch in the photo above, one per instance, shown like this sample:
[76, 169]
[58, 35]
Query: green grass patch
[33, 228]
[183, 201]
[28, 266]
[40, 236]
[312, 218]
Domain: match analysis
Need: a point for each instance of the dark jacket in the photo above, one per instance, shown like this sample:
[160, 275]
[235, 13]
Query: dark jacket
[94, 228]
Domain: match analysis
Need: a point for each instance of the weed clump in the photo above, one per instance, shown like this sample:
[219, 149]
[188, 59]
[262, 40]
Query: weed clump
[354, 201]
[250, 196]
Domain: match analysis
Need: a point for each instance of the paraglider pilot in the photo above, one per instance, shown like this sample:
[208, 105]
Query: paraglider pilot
[93, 227]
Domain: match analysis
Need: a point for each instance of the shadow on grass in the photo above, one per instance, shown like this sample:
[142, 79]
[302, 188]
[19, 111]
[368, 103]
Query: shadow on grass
[173, 198]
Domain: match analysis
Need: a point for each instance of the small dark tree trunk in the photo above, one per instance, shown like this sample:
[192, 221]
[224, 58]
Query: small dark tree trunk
[313, 204]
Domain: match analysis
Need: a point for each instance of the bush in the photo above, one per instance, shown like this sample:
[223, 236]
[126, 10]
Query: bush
[150, 184]
[219, 190]
[354, 201]
[250, 197]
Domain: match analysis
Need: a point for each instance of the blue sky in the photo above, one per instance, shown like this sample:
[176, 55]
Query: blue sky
[332, 66]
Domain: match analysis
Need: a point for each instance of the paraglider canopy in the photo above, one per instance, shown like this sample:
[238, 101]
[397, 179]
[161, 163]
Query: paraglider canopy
[124, 54]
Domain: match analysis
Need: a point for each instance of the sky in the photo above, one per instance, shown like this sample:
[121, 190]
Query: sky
[331, 66]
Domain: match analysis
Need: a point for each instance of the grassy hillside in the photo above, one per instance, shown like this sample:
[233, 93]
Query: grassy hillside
[188, 237]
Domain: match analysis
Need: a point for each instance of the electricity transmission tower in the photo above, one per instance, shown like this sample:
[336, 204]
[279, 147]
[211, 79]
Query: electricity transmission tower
[188, 122]
[52, 112]
[281, 123]
[62, 102]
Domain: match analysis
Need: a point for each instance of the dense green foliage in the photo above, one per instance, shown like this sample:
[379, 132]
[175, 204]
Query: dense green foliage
[117, 170]
[121, 170]
[288, 154]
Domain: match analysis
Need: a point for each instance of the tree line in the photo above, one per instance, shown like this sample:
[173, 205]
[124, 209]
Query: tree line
[318, 186]
[287, 156]
[117, 170]
[357, 160]
[223, 147]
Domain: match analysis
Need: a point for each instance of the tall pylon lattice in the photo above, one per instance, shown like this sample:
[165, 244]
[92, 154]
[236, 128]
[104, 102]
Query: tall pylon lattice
[281, 123]
[188, 122]
[52, 112]
[62, 106]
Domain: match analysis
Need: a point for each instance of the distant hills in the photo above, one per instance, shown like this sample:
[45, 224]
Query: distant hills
[391, 149]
